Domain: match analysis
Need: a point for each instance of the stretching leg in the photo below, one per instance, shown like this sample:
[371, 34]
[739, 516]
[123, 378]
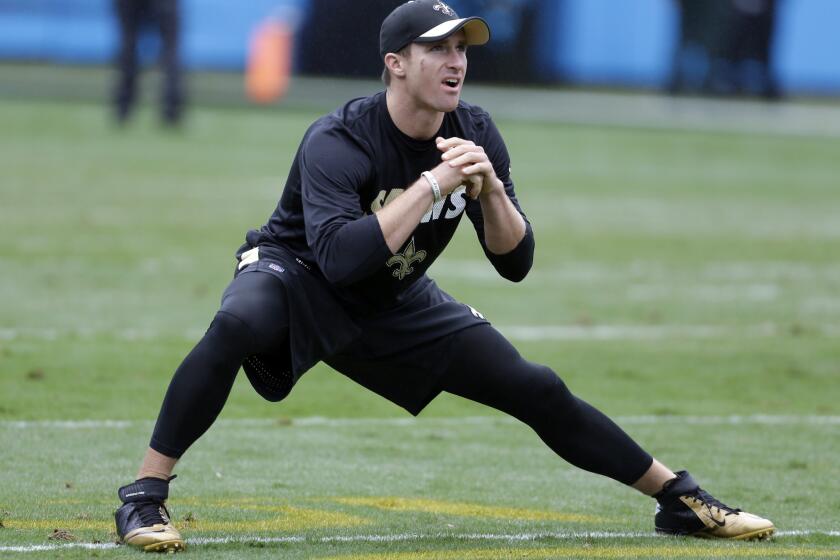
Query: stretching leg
[253, 318]
[489, 370]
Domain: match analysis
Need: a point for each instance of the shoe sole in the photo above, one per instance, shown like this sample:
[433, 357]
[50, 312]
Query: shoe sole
[758, 535]
[165, 546]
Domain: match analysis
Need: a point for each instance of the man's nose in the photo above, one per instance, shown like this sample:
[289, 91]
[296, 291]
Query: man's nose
[457, 60]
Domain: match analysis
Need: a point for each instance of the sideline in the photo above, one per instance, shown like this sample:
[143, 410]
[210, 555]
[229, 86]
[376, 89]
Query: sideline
[526, 333]
[819, 117]
[406, 537]
[319, 421]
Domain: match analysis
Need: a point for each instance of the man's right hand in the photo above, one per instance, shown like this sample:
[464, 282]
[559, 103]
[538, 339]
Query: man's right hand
[451, 173]
[400, 217]
[450, 178]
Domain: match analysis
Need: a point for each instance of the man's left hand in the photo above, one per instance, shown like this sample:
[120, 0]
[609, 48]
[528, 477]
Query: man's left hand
[474, 161]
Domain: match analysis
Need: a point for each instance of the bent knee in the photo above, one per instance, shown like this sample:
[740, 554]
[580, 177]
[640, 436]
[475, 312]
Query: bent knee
[260, 330]
[550, 393]
[229, 326]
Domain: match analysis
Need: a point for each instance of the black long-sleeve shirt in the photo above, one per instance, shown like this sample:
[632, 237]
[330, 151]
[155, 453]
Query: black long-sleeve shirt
[354, 161]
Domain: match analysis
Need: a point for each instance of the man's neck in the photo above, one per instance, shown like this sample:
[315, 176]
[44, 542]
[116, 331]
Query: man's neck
[416, 122]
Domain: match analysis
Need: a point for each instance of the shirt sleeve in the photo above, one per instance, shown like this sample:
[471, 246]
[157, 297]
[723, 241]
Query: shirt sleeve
[516, 264]
[348, 244]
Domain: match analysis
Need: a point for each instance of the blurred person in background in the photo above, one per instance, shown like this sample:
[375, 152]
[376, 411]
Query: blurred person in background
[134, 16]
[701, 32]
[750, 47]
[725, 48]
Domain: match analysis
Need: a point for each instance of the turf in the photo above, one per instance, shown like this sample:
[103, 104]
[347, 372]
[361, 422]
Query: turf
[680, 276]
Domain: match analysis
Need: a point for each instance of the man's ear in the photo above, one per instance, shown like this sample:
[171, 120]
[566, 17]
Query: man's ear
[395, 64]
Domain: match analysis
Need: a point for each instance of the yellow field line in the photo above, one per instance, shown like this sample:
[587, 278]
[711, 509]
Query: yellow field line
[467, 509]
[589, 551]
[64, 524]
[292, 519]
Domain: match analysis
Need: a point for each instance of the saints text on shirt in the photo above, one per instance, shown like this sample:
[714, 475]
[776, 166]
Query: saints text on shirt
[454, 204]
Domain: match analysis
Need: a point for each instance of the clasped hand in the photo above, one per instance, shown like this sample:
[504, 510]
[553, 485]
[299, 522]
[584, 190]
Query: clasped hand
[466, 164]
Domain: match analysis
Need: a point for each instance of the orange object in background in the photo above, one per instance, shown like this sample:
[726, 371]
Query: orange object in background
[269, 62]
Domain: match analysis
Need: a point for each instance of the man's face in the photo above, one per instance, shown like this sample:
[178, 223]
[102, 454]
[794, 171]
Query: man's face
[435, 72]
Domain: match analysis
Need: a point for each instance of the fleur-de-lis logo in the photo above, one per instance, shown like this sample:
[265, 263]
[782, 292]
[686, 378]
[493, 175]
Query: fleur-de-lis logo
[442, 7]
[405, 259]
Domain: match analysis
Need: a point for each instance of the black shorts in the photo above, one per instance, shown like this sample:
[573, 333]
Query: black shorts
[400, 353]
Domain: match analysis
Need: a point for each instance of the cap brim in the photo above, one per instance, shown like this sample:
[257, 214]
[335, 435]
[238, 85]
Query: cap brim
[475, 28]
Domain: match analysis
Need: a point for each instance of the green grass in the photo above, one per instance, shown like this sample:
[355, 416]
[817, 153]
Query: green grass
[707, 261]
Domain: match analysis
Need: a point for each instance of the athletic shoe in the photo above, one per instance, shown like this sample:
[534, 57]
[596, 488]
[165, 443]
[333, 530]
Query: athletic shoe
[143, 520]
[683, 508]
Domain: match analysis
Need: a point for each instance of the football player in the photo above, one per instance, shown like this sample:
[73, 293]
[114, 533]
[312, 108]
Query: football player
[338, 274]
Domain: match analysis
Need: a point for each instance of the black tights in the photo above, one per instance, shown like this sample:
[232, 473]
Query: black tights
[490, 371]
[252, 318]
[486, 369]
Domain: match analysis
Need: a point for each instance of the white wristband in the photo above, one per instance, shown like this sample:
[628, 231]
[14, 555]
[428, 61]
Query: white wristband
[434, 184]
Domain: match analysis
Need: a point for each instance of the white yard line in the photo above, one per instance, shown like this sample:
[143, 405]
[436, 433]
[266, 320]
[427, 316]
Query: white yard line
[407, 537]
[711, 293]
[734, 272]
[318, 421]
[528, 333]
[537, 333]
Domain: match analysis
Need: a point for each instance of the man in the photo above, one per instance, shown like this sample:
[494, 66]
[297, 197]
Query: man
[375, 193]
[132, 16]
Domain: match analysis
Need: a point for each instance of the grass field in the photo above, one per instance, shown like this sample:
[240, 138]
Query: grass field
[687, 283]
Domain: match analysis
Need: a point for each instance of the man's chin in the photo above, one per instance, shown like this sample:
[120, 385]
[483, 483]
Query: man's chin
[449, 105]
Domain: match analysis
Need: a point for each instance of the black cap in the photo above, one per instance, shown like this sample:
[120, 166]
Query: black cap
[427, 21]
